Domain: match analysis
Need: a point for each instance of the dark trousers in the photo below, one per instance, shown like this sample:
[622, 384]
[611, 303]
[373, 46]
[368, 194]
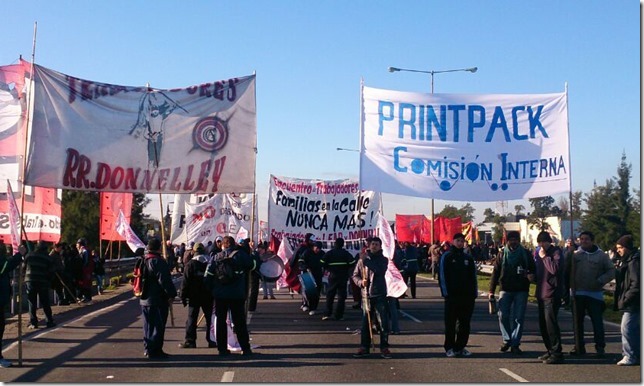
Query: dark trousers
[549, 325]
[410, 280]
[379, 314]
[313, 302]
[2, 325]
[254, 291]
[193, 318]
[337, 286]
[238, 317]
[595, 309]
[458, 313]
[37, 292]
[154, 321]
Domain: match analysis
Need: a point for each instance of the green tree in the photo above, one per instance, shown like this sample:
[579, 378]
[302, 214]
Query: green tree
[623, 195]
[542, 207]
[465, 212]
[635, 217]
[518, 209]
[600, 216]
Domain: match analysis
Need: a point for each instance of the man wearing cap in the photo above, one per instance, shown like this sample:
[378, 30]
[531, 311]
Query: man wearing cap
[513, 271]
[196, 296]
[158, 294]
[627, 295]
[588, 271]
[549, 265]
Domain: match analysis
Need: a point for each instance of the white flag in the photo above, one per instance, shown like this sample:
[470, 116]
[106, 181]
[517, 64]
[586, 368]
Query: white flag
[395, 283]
[14, 219]
[124, 229]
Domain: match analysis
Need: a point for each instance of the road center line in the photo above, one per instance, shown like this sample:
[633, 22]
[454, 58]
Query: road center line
[228, 376]
[513, 375]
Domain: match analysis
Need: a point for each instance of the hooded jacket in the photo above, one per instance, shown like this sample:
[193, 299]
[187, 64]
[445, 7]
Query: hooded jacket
[457, 274]
[627, 287]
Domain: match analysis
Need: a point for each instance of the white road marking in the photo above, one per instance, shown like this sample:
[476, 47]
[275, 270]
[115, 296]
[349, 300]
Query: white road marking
[228, 376]
[410, 317]
[513, 375]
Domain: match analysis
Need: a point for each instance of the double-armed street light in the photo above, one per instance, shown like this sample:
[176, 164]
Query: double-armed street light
[431, 73]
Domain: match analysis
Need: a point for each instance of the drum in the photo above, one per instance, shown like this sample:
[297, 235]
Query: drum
[271, 269]
[309, 289]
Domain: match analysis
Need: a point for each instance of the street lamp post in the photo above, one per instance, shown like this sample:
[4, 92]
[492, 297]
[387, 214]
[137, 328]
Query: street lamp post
[431, 73]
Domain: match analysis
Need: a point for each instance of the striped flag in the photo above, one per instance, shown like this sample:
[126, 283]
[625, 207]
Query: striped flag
[14, 219]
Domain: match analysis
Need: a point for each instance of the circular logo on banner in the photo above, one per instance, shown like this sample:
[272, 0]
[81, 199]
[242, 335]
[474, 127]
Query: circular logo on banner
[221, 228]
[210, 134]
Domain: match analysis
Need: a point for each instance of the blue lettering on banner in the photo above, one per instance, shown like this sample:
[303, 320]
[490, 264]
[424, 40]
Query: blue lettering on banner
[433, 122]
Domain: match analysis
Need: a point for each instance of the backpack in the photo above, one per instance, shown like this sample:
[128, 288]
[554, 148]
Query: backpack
[140, 272]
[224, 268]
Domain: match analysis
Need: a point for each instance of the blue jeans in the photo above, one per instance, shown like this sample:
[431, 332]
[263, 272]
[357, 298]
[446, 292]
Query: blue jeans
[511, 312]
[392, 303]
[379, 313]
[631, 336]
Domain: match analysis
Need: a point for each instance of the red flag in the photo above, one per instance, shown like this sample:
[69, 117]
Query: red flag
[111, 204]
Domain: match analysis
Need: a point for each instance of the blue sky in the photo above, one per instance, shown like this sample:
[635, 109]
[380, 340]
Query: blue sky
[309, 58]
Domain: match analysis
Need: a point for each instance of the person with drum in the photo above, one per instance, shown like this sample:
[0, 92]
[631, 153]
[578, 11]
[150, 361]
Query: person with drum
[271, 269]
[302, 255]
[337, 262]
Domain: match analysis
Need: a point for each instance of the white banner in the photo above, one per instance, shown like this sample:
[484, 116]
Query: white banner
[95, 136]
[219, 215]
[464, 147]
[326, 208]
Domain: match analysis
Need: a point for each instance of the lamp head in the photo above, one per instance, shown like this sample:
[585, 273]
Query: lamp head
[472, 70]
[393, 69]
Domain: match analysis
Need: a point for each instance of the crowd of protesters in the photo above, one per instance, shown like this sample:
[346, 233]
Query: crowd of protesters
[575, 273]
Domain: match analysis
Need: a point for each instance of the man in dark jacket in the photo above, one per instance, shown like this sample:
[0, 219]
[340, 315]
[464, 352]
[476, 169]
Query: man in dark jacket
[410, 266]
[39, 269]
[513, 271]
[231, 296]
[459, 288]
[369, 275]
[298, 263]
[549, 264]
[7, 265]
[337, 262]
[58, 281]
[627, 293]
[196, 296]
[158, 294]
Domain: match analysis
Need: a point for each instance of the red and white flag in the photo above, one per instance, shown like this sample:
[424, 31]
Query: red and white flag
[395, 283]
[14, 219]
[285, 252]
[124, 229]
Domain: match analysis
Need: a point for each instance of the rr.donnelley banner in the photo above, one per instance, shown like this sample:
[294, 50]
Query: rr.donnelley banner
[95, 136]
[464, 147]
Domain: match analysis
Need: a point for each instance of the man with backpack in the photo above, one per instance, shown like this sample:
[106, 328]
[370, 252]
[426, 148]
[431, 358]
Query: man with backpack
[157, 296]
[513, 271]
[226, 274]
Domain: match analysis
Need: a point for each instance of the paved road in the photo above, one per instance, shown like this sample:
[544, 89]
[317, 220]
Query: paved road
[102, 342]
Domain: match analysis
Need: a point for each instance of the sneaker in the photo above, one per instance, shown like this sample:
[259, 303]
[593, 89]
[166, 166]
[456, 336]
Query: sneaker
[187, 345]
[158, 355]
[576, 353]
[339, 318]
[544, 356]
[224, 353]
[247, 353]
[312, 312]
[5, 363]
[385, 353]
[626, 362]
[601, 353]
[32, 326]
[265, 297]
[554, 360]
[272, 297]
[305, 309]
[50, 324]
[505, 347]
[327, 317]
[363, 352]
[450, 353]
[465, 352]
[516, 350]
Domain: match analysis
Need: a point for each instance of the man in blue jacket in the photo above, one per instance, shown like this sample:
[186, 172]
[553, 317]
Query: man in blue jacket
[231, 296]
[158, 294]
[459, 288]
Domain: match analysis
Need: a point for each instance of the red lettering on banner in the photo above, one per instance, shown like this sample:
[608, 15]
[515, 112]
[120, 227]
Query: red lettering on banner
[79, 173]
